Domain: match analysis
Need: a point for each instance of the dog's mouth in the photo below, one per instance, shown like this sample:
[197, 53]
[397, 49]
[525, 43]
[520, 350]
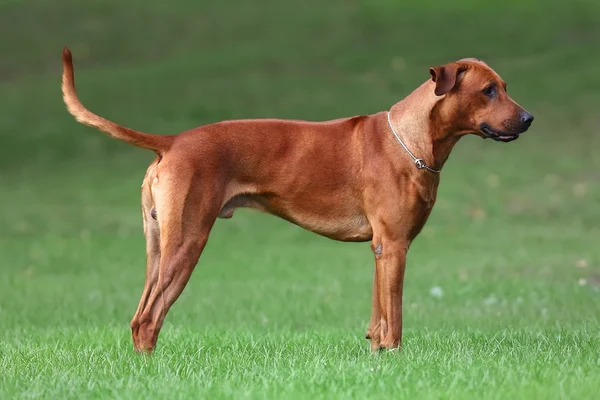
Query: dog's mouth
[499, 136]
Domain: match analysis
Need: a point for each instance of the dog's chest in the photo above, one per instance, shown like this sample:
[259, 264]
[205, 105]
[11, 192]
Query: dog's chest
[425, 191]
[415, 202]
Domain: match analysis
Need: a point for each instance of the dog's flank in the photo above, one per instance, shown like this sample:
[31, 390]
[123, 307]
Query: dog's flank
[159, 144]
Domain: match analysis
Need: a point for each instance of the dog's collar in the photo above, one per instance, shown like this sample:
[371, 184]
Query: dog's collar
[420, 164]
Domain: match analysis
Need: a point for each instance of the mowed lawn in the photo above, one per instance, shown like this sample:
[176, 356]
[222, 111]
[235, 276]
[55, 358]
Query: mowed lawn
[502, 295]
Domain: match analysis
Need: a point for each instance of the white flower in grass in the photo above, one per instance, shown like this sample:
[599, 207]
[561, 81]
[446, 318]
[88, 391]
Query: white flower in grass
[436, 292]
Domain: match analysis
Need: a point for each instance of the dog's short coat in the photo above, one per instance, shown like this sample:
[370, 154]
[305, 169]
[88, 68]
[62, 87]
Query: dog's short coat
[348, 179]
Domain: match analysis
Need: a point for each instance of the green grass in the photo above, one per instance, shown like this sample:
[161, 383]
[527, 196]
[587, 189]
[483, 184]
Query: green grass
[273, 311]
[316, 364]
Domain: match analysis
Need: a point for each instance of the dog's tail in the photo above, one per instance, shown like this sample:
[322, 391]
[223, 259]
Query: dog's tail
[157, 143]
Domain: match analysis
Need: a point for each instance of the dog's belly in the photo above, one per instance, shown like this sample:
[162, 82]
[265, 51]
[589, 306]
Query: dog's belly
[343, 225]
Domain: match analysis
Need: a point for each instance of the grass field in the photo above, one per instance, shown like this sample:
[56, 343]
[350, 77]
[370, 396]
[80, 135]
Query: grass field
[502, 297]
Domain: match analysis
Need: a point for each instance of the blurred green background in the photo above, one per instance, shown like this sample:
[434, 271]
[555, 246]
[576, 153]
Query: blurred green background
[502, 286]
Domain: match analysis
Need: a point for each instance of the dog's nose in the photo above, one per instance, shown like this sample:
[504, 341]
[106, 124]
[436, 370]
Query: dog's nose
[526, 118]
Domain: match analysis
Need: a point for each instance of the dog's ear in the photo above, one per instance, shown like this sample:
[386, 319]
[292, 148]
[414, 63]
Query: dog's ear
[446, 77]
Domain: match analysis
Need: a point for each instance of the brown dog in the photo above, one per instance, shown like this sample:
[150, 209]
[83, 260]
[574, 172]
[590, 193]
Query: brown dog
[351, 179]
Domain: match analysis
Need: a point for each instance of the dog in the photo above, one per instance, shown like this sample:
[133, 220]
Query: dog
[363, 178]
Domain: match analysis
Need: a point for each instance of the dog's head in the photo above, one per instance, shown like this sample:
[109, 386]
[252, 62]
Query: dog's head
[476, 101]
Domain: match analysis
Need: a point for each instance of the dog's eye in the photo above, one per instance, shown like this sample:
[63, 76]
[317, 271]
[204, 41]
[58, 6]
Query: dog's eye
[490, 91]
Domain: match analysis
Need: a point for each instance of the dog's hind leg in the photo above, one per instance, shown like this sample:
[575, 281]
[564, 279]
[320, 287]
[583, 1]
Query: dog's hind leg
[185, 215]
[152, 234]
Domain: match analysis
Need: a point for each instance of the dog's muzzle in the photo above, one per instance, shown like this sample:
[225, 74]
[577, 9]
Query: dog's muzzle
[512, 128]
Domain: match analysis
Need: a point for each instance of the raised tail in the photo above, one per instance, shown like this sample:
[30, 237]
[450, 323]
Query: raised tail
[159, 144]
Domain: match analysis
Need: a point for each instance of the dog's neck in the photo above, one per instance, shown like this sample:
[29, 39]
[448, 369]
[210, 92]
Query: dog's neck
[422, 127]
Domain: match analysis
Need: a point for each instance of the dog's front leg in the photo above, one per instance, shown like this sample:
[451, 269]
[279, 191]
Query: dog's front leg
[374, 330]
[390, 266]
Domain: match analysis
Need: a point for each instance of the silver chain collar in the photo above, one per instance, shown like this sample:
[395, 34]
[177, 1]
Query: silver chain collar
[420, 164]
